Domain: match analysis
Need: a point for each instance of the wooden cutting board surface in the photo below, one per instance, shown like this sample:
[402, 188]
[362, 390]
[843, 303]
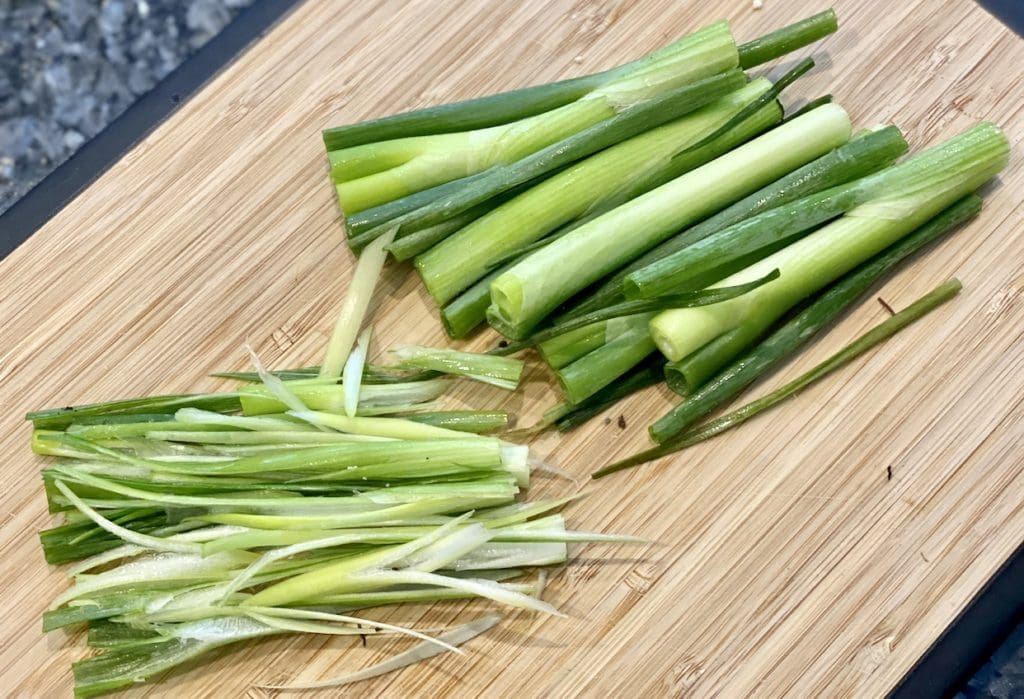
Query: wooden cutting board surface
[788, 562]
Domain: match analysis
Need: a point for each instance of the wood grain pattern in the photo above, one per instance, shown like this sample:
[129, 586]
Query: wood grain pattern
[788, 565]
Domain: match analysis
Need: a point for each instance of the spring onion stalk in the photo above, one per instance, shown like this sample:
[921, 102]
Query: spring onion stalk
[787, 39]
[502, 108]
[503, 372]
[805, 325]
[420, 162]
[58, 418]
[393, 428]
[698, 263]
[708, 338]
[862, 344]
[468, 310]
[859, 157]
[463, 258]
[532, 289]
[437, 204]
[353, 309]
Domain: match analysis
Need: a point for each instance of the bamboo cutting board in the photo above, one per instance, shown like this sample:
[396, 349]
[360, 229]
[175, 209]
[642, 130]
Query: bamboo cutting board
[788, 562]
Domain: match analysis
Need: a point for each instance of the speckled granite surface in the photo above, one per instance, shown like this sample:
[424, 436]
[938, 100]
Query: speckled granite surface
[69, 67]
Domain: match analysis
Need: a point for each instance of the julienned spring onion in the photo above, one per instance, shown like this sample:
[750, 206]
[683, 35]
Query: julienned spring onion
[630, 168]
[516, 104]
[503, 372]
[787, 339]
[859, 157]
[200, 542]
[201, 527]
[533, 288]
[862, 344]
[708, 338]
[374, 174]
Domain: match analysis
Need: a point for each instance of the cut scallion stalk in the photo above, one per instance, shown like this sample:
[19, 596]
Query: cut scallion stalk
[857, 158]
[446, 269]
[805, 325]
[535, 287]
[425, 161]
[707, 338]
[353, 309]
[433, 206]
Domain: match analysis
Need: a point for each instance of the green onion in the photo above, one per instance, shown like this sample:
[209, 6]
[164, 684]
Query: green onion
[805, 325]
[456, 263]
[598, 368]
[860, 156]
[518, 104]
[372, 374]
[707, 338]
[503, 372]
[862, 344]
[420, 162]
[532, 289]
[330, 397]
[352, 374]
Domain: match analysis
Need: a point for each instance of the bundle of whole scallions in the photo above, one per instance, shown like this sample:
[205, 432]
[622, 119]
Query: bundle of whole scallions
[292, 506]
[661, 220]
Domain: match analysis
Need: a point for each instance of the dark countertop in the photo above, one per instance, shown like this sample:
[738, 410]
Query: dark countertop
[70, 67]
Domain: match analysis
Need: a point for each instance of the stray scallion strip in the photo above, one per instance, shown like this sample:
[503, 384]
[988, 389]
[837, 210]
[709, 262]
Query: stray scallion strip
[352, 374]
[476, 421]
[503, 372]
[353, 310]
[862, 344]
[810, 321]
[372, 374]
[422, 651]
